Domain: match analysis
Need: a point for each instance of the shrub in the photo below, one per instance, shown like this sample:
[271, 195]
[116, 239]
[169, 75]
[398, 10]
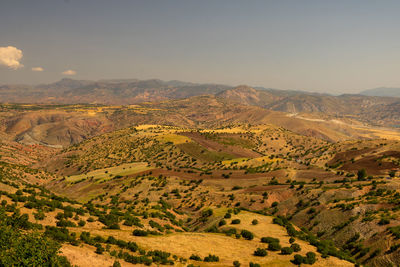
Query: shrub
[254, 222]
[286, 250]
[230, 231]
[247, 234]
[211, 258]
[138, 232]
[395, 231]
[296, 247]
[298, 259]
[39, 215]
[269, 240]
[236, 264]
[260, 252]
[207, 213]
[65, 223]
[274, 246]
[251, 264]
[131, 220]
[310, 258]
[361, 174]
[28, 249]
[291, 240]
[110, 221]
[384, 221]
[235, 221]
[195, 257]
[99, 249]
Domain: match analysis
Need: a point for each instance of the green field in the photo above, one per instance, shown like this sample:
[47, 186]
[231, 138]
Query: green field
[108, 173]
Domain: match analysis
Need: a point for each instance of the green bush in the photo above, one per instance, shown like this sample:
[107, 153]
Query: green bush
[227, 215]
[99, 249]
[20, 248]
[310, 258]
[260, 252]
[286, 250]
[274, 246]
[247, 234]
[195, 257]
[296, 247]
[269, 240]
[361, 174]
[138, 232]
[298, 259]
[211, 258]
[235, 221]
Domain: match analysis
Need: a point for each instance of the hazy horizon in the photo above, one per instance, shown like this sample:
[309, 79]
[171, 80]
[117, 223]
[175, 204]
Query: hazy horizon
[319, 46]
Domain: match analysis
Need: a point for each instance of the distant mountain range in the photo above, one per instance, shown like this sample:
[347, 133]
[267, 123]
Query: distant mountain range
[114, 92]
[365, 107]
[382, 91]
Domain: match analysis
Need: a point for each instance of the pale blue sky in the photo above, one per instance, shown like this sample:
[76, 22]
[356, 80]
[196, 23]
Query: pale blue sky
[327, 46]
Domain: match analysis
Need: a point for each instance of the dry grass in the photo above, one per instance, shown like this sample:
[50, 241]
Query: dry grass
[107, 173]
[174, 138]
[84, 256]
[228, 249]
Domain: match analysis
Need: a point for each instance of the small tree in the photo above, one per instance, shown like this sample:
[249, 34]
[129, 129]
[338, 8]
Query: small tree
[296, 247]
[274, 246]
[247, 234]
[361, 174]
[211, 258]
[310, 258]
[260, 252]
[99, 249]
[195, 257]
[235, 221]
[298, 259]
[286, 250]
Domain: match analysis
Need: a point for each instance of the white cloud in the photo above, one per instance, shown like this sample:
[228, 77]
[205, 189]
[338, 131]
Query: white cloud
[37, 69]
[10, 56]
[69, 72]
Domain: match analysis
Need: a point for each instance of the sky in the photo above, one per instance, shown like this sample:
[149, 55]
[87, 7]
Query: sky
[341, 46]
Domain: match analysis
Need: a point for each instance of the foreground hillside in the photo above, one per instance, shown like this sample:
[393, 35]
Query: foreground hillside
[112, 230]
[318, 185]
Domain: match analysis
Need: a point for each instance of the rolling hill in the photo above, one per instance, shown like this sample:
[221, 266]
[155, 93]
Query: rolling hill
[229, 176]
[382, 91]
